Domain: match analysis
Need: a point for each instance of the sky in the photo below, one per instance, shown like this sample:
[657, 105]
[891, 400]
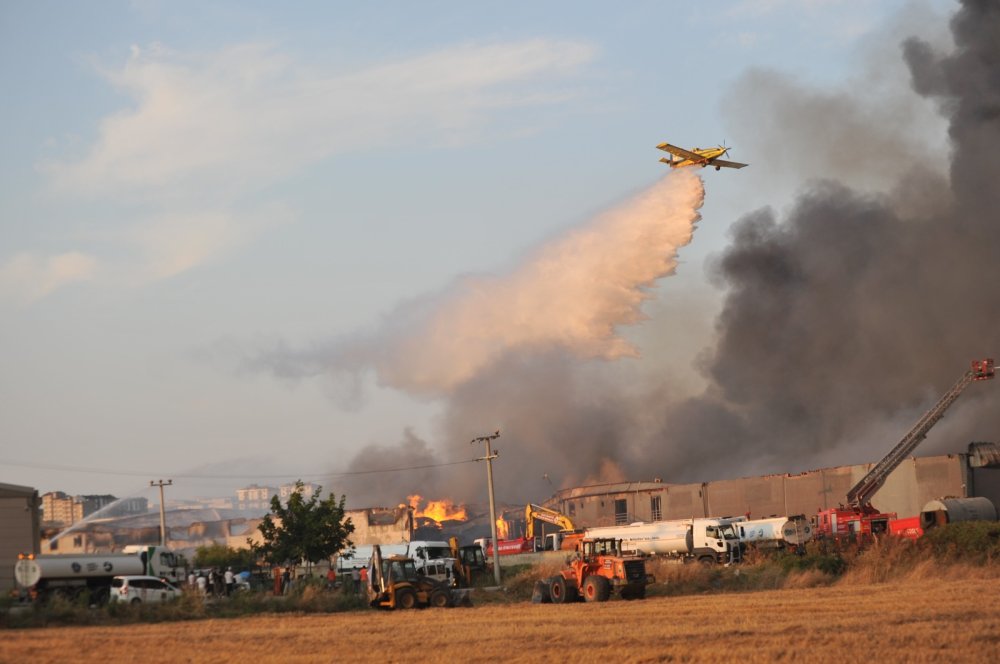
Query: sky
[191, 190]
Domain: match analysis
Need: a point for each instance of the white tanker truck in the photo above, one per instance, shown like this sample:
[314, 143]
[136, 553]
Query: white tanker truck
[705, 540]
[775, 532]
[39, 577]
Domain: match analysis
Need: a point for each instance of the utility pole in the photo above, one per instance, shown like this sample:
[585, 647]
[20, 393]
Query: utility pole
[490, 455]
[163, 514]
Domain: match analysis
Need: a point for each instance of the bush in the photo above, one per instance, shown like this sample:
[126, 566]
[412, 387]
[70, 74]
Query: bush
[972, 541]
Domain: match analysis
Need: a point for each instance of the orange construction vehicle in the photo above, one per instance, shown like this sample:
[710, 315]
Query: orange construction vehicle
[593, 573]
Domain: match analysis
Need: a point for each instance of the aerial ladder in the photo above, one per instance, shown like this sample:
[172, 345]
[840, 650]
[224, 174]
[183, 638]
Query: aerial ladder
[860, 517]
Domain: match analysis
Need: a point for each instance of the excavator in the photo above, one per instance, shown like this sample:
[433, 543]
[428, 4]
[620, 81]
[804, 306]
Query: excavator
[858, 518]
[566, 539]
[395, 584]
[470, 562]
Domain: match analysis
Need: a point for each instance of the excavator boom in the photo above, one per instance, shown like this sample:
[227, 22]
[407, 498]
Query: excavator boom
[532, 512]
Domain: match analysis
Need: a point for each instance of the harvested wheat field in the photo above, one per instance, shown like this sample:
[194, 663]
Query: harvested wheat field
[914, 621]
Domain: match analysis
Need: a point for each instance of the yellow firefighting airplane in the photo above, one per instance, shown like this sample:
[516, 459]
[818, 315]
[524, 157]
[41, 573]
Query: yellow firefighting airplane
[697, 157]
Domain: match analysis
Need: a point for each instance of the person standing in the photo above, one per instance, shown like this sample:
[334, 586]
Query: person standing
[356, 577]
[331, 579]
[230, 581]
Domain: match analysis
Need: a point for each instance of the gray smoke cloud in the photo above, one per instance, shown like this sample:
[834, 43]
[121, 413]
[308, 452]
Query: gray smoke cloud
[842, 319]
[855, 307]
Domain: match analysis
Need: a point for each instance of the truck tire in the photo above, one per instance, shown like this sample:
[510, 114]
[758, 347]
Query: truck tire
[596, 589]
[440, 598]
[559, 590]
[540, 593]
[135, 601]
[406, 598]
[707, 560]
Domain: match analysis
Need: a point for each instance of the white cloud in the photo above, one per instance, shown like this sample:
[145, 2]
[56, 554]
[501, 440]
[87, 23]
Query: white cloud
[249, 114]
[27, 276]
[172, 243]
[204, 131]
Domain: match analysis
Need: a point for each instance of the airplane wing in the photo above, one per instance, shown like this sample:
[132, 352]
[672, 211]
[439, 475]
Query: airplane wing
[680, 152]
[727, 164]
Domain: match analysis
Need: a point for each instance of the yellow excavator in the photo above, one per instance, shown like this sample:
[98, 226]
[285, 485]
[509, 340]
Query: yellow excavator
[395, 584]
[566, 539]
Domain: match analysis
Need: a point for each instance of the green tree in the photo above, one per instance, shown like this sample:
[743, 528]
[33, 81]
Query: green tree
[304, 529]
[220, 555]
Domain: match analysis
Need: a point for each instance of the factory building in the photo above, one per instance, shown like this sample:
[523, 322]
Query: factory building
[19, 526]
[910, 486]
[381, 525]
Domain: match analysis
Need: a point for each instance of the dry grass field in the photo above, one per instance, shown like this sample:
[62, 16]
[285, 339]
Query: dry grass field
[915, 620]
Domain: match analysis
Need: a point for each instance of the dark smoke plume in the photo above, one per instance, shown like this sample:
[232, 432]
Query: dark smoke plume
[857, 307]
[842, 320]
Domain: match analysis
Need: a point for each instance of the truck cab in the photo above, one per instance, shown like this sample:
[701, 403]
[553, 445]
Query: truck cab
[714, 541]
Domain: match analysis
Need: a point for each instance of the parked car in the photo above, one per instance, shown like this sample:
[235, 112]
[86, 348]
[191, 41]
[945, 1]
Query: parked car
[141, 589]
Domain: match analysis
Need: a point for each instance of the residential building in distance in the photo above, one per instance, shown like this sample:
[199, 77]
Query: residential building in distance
[65, 510]
[254, 497]
[57, 507]
[286, 490]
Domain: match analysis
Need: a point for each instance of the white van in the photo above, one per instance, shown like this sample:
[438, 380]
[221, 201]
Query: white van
[141, 589]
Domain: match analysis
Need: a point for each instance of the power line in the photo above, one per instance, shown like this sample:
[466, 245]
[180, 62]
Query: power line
[212, 476]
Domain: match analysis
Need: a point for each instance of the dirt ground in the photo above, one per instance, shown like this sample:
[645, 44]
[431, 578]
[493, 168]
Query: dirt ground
[916, 621]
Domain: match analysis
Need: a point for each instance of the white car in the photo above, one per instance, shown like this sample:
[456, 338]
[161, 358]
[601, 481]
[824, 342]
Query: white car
[141, 589]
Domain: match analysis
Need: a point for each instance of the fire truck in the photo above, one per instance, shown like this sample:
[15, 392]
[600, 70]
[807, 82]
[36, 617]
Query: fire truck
[858, 518]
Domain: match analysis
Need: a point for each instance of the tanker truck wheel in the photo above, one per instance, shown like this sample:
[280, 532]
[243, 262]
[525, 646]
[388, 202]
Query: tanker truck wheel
[596, 589]
[135, 601]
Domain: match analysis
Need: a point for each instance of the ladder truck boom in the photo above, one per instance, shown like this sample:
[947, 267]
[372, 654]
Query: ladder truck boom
[860, 495]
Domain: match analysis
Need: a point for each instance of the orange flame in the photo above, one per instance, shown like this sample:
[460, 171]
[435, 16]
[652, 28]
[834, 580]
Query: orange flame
[503, 528]
[438, 510]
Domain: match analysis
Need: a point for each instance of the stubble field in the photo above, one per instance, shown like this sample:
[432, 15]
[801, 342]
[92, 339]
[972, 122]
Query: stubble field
[914, 621]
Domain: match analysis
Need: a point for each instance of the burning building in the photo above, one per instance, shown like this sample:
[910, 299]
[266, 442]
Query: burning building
[913, 484]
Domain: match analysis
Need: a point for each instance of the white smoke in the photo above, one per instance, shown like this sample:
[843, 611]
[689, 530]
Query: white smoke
[573, 294]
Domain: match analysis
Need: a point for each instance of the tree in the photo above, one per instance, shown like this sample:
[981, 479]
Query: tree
[304, 529]
[220, 555]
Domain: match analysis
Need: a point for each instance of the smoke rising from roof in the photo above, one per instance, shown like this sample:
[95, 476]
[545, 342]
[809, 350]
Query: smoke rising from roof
[857, 307]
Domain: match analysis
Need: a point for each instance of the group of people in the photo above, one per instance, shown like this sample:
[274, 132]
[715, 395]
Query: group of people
[360, 579]
[214, 582]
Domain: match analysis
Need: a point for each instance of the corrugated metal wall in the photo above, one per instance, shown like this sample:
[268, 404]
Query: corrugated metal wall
[906, 491]
[19, 521]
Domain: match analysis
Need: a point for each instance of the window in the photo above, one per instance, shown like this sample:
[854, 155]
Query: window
[621, 512]
[572, 509]
[654, 508]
